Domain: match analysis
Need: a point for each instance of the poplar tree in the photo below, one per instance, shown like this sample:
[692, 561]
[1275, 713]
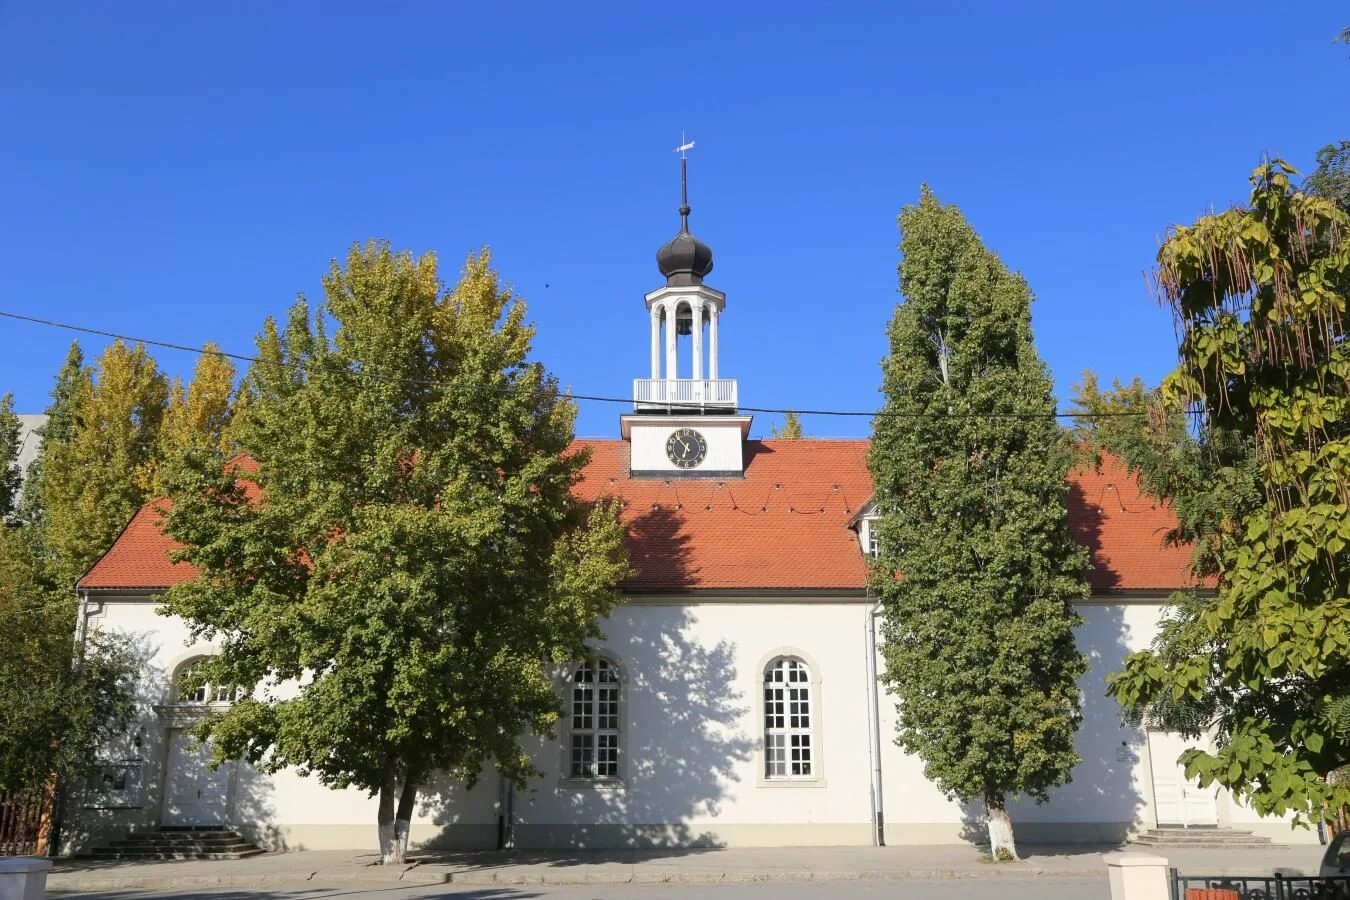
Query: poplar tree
[978, 570]
[198, 415]
[401, 547]
[9, 458]
[95, 455]
[792, 427]
[56, 708]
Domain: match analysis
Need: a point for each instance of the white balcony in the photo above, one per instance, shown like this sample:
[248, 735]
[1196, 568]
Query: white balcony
[684, 394]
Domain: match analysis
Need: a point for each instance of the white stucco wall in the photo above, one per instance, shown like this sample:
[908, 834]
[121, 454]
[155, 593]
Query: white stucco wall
[691, 747]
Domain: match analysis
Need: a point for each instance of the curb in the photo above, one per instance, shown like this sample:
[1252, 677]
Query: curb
[417, 875]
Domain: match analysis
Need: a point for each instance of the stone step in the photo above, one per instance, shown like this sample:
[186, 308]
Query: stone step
[184, 853]
[132, 839]
[179, 843]
[204, 846]
[1204, 838]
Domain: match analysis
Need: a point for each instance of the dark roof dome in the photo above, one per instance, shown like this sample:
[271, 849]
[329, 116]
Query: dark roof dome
[684, 259]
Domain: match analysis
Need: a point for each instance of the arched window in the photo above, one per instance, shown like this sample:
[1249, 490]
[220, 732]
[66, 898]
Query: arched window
[595, 720]
[788, 720]
[204, 692]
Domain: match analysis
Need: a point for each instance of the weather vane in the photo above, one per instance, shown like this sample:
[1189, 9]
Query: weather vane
[683, 150]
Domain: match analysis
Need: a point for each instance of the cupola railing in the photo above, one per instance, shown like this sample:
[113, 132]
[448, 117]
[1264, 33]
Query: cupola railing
[698, 393]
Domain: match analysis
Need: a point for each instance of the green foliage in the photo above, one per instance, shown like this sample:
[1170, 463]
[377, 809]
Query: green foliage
[1259, 294]
[96, 451]
[791, 430]
[9, 458]
[198, 416]
[55, 711]
[404, 541]
[979, 571]
[1331, 178]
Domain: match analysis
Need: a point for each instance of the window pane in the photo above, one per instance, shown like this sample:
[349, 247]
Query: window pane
[595, 720]
[787, 719]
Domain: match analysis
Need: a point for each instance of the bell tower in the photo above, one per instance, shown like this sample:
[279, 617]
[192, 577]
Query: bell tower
[685, 421]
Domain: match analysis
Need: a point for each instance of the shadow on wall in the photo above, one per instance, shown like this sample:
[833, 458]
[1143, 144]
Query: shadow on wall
[684, 720]
[252, 811]
[681, 742]
[1102, 802]
[91, 819]
[88, 818]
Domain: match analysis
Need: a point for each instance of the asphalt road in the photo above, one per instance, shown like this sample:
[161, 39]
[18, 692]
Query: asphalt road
[963, 888]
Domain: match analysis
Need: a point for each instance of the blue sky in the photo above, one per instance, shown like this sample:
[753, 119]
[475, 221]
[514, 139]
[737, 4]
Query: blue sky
[180, 171]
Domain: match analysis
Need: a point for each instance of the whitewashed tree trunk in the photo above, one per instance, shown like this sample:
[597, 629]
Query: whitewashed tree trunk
[390, 851]
[1000, 828]
[403, 818]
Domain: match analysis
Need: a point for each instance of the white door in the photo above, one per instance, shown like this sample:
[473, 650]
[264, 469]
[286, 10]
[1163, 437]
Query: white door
[193, 794]
[1178, 801]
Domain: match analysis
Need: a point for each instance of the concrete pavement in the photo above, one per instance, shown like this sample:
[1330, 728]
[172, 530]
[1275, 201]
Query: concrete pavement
[786, 864]
[1000, 889]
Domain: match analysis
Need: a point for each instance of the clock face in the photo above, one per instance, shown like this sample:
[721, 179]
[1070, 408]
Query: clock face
[686, 448]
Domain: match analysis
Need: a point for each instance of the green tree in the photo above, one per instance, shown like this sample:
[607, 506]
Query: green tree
[56, 707]
[1331, 178]
[55, 711]
[413, 557]
[95, 457]
[792, 427]
[1259, 295]
[72, 380]
[978, 570]
[9, 458]
[198, 415]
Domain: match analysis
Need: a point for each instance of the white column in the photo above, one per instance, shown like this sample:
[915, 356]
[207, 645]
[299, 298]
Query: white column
[656, 340]
[672, 370]
[698, 340]
[24, 878]
[1137, 876]
[715, 314]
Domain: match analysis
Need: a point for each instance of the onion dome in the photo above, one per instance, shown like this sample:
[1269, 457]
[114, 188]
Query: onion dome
[684, 259]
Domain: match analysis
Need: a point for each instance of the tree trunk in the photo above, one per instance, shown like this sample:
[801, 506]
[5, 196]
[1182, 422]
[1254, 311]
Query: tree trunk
[1001, 844]
[403, 819]
[389, 852]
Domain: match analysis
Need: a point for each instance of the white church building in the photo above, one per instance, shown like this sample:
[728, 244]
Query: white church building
[733, 700]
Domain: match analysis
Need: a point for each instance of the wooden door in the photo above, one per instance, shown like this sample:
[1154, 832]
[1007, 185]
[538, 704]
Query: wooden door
[1176, 800]
[194, 796]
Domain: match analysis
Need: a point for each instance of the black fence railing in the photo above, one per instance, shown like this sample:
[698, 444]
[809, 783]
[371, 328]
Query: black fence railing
[1273, 887]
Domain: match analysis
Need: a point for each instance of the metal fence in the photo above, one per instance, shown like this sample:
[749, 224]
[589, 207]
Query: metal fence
[1274, 887]
[24, 822]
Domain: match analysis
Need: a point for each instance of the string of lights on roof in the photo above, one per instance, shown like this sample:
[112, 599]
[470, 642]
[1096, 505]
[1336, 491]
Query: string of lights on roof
[310, 368]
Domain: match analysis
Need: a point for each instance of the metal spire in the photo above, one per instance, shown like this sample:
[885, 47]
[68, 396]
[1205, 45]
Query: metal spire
[683, 150]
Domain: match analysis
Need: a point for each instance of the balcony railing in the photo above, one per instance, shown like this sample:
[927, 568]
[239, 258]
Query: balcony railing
[676, 394]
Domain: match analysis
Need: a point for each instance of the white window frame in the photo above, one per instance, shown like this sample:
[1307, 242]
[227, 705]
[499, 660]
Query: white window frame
[598, 723]
[870, 540]
[204, 695]
[813, 730]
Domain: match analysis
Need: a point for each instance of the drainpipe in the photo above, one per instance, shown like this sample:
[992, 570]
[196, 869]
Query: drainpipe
[874, 726]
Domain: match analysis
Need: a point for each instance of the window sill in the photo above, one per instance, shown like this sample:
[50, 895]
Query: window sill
[604, 785]
[762, 782]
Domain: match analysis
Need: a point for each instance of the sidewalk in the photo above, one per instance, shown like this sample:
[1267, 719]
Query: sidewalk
[650, 866]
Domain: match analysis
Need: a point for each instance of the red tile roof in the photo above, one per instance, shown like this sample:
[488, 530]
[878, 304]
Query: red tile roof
[139, 558]
[783, 526]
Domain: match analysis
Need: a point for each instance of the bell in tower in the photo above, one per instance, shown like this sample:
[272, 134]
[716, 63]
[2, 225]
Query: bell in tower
[685, 422]
[685, 316]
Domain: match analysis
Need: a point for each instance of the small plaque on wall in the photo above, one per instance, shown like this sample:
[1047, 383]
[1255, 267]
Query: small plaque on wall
[114, 786]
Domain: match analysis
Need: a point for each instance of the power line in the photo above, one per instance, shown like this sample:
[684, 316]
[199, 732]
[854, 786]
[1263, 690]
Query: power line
[587, 398]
